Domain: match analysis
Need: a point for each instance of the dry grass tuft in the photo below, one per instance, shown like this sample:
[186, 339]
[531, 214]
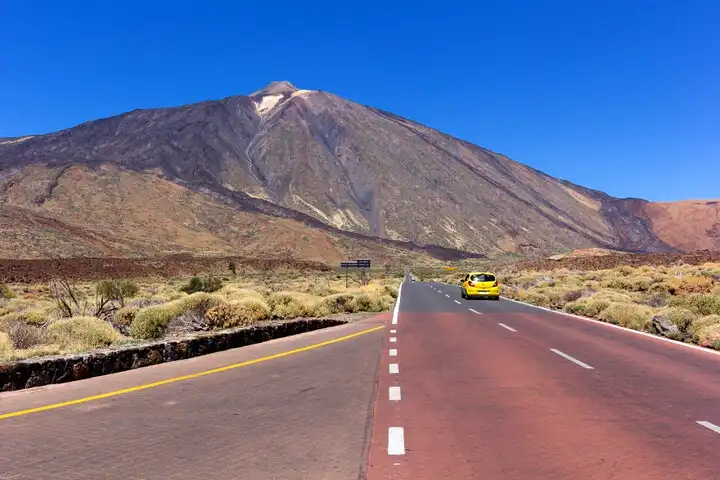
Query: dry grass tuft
[238, 313]
[82, 333]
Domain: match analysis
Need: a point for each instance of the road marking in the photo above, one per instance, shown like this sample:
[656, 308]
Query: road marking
[447, 295]
[574, 360]
[505, 326]
[393, 352]
[623, 329]
[184, 377]
[711, 426]
[394, 394]
[396, 310]
[393, 331]
[396, 441]
[394, 368]
[474, 311]
[457, 302]
[393, 339]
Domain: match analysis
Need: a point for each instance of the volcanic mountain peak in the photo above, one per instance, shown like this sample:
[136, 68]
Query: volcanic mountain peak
[276, 88]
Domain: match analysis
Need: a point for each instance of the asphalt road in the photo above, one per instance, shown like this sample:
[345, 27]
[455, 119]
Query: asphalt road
[444, 388]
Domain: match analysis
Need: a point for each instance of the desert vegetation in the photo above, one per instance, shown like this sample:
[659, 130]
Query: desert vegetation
[671, 298]
[64, 316]
[680, 302]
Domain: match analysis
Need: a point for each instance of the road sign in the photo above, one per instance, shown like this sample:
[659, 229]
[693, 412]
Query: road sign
[356, 264]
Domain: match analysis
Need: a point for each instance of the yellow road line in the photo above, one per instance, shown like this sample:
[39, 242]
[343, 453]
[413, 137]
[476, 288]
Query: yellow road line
[184, 377]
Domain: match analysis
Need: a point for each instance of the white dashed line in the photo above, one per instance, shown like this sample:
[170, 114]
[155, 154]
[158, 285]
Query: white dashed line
[394, 369]
[574, 360]
[393, 352]
[394, 394]
[396, 441]
[396, 310]
[393, 339]
[447, 295]
[393, 331]
[505, 326]
[474, 311]
[457, 302]
[709, 425]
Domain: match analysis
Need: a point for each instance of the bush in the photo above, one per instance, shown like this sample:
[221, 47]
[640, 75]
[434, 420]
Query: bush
[151, 323]
[702, 322]
[125, 316]
[6, 345]
[242, 312]
[709, 336]
[698, 303]
[292, 304]
[208, 284]
[576, 308]
[5, 291]
[117, 290]
[637, 317]
[656, 300]
[681, 317]
[337, 303]
[24, 336]
[572, 295]
[78, 333]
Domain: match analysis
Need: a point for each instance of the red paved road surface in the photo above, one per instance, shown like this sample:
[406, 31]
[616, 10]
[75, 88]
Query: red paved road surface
[482, 402]
[304, 416]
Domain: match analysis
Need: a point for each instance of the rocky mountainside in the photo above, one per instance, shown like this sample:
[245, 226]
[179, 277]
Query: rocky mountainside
[316, 162]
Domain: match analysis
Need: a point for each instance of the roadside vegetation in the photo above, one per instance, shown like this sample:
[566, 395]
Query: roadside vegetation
[62, 317]
[680, 301]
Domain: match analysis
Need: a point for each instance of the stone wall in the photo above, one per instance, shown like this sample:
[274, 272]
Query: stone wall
[44, 371]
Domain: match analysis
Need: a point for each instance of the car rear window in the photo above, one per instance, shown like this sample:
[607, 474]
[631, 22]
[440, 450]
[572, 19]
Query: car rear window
[482, 277]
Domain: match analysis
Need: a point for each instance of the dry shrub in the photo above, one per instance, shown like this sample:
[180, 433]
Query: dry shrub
[5, 291]
[695, 284]
[125, 316]
[6, 345]
[239, 313]
[292, 304]
[656, 300]
[81, 333]
[572, 295]
[589, 307]
[23, 335]
[150, 323]
[702, 322]
[709, 336]
[634, 316]
[681, 317]
[698, 303]
[337, 303]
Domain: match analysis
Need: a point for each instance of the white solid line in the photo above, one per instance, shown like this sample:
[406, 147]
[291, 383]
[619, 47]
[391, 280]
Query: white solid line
[574, 360]
[394, 394]
[396, 310]
[394, 368]
[447, 295]
[393, 339]
[505, 326]
[618, 327]
[396, 441]
[709, 425]
[474, 311]
[457, 302]
[393, 352]
[393, 331]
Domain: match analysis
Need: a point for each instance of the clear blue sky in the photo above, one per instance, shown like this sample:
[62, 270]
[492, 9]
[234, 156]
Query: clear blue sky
[619, 95]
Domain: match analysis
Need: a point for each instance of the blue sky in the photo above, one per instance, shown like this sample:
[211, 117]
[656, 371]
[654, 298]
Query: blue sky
[618, 95]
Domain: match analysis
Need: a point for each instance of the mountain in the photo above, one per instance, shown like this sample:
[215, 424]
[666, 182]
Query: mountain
[285, 161]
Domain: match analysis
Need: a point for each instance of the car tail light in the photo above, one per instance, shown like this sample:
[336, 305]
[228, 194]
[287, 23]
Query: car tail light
[495, 284]
[470, 284]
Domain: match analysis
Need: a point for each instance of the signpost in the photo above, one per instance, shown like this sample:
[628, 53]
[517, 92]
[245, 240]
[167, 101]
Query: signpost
[355, 264]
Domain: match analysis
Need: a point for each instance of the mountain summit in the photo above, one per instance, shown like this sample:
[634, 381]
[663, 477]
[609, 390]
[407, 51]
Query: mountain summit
[320, 160]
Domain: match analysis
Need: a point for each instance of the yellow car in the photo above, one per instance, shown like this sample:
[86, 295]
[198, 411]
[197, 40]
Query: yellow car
[480, 285]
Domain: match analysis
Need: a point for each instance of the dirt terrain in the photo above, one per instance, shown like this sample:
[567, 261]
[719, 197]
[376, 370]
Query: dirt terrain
[32, 271]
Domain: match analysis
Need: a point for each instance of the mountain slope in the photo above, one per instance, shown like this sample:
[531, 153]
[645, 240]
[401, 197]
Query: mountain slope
[326, 162]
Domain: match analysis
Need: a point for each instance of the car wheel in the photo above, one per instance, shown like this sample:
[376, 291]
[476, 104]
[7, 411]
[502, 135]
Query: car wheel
[462, 293]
